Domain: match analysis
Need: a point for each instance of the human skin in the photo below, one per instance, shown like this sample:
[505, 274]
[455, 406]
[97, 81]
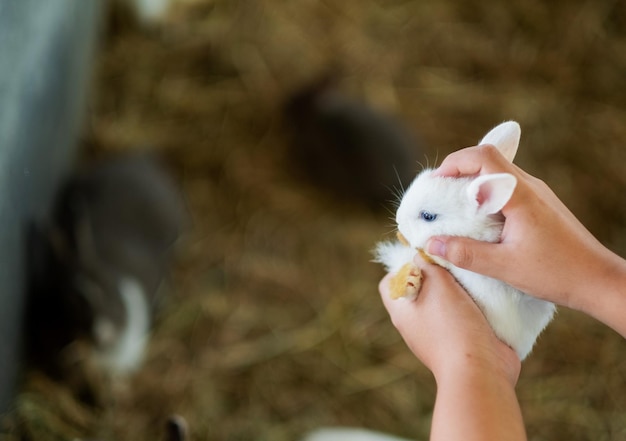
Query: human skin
[544, 250]
[475, 372]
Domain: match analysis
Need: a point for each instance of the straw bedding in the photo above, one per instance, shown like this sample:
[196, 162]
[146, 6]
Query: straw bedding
[274, 326]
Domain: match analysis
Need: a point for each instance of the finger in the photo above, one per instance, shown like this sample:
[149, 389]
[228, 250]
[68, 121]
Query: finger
[402, 312]
[474, 161]
[435, 278]
[473, 255]
[383, 285]
[384, 291]
[430, 269]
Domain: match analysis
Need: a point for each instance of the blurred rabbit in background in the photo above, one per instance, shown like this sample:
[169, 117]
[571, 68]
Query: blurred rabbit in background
[349, 148]
[97, 267]
[147, 13]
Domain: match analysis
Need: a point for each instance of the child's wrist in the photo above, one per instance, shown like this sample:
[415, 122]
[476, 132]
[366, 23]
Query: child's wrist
[604, 298]
[500, 363]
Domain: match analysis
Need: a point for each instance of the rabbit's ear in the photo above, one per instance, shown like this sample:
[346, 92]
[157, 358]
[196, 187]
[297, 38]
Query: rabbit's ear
[505, 137]
[491, 192]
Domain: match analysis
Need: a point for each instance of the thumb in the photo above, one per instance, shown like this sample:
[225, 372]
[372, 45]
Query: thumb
[473, 255]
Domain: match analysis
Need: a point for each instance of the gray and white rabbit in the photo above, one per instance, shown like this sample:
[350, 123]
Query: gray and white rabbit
[469, 207]
[149, 12]
[97, 267]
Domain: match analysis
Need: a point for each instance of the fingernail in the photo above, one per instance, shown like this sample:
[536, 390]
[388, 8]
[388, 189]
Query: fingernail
[436, 247]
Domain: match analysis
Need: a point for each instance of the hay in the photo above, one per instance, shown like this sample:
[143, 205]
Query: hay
[274, 326]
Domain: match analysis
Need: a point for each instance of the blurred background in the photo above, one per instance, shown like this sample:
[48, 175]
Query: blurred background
[274, 326]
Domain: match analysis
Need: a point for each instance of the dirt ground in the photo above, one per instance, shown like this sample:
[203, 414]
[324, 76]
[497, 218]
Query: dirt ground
[274, 326]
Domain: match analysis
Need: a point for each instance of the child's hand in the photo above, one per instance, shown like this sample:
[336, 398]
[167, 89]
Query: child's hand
[544, 251]
[447, 331]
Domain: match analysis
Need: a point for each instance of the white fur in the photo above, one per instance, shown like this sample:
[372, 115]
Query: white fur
[126, 354]
[470, 207]
[505, 137]
[393, 255]
[150, 11]
[348, 434]
[499, 186]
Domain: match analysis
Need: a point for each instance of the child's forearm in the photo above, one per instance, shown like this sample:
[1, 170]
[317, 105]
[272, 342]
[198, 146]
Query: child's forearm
[473, 406]
[604, 296]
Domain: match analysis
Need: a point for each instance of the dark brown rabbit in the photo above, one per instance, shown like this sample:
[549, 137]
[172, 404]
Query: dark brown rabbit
[347, 147]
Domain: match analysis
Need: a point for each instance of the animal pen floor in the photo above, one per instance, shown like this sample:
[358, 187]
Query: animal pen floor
[274, 326]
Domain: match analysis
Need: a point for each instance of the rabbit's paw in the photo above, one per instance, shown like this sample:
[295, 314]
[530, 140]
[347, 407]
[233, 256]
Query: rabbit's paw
[406, 282]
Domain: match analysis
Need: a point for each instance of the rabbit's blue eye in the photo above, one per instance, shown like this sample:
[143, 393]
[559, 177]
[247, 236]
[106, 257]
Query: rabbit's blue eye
[428, 217]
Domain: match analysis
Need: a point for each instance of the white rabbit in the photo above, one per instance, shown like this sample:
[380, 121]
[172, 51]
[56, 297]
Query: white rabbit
[348, 434]
[468, 207]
